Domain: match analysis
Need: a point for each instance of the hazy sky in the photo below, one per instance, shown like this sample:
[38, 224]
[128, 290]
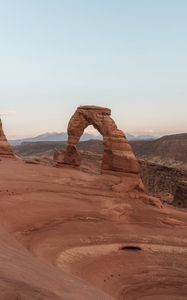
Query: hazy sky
[129, 55]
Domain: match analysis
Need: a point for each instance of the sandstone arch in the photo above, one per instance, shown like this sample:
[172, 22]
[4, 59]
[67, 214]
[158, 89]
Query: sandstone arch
[5, 149]
[118, 155]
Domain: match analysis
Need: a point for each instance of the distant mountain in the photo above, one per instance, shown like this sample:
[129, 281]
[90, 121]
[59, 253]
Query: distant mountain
[141, 137]
[169, 150]
[62, 137]
[32, 149]
[53, 137]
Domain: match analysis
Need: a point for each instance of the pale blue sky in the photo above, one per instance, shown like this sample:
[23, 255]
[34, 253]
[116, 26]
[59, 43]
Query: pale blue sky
[128, 55]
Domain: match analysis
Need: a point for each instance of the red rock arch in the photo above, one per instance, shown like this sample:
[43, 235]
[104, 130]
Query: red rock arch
[118, 155]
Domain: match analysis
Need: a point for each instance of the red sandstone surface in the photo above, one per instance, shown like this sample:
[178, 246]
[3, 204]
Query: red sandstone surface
[64, 233]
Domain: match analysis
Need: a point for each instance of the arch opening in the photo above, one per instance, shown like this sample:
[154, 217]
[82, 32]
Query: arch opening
[91, 150]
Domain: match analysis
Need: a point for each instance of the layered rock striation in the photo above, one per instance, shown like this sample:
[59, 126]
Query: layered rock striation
[162, 181]
[118, 155]
[5, 149]
[180, 197]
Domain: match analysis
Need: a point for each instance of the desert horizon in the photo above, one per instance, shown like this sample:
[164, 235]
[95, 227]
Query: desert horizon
[93, 150]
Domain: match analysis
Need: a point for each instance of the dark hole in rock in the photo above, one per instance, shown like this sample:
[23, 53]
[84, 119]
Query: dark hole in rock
[180, 204]
[131, 248]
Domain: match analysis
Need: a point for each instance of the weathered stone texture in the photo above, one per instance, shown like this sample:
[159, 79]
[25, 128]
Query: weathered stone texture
[118, 155]
[180, 197]
[5, 149]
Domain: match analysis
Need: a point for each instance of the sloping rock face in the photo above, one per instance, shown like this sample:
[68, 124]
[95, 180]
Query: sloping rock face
[180, 198]
[5, 149]
[118, 155]
[163, 182]
[168, 150]
[66, 235]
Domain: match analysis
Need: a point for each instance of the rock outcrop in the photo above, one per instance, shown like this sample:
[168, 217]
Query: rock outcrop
[162, 181]
[5, 149]
[168, 150]
[118, 155]
[180, 197]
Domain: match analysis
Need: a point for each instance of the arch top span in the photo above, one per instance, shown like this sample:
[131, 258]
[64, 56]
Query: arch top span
[118, 155]
[104, 110]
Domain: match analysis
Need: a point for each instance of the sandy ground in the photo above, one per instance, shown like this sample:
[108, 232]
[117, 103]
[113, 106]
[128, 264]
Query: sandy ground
[66, 234]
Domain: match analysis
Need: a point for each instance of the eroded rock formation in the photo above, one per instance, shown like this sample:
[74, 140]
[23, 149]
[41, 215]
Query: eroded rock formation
[180, 198]
[5, 149]
[118, 155]
[162, 181]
